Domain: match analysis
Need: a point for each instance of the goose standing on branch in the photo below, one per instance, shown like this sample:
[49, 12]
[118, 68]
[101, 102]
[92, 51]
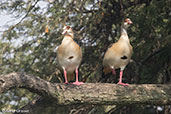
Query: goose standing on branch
[69, 55]
[119, 54]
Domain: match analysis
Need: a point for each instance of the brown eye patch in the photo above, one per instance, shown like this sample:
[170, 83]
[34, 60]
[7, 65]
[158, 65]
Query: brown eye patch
[126, 20]
[68, 27]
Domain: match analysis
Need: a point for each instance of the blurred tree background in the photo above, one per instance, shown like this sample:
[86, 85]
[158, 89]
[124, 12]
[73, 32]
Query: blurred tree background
[29, 44]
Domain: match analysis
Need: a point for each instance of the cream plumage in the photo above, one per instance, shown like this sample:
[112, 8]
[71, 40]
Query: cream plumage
[69, 54]
[119, 54]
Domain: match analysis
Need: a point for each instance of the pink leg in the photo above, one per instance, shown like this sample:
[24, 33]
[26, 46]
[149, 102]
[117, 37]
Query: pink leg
[77, 82]
[65, 75]
[113, 71]
[120, 79]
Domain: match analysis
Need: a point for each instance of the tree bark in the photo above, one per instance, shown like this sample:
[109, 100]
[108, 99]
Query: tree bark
[88, 93]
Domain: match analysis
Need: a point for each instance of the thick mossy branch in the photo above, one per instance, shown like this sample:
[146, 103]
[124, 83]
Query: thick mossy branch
[89, 93]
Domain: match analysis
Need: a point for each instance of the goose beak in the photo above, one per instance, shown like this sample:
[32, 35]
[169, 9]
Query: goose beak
[130, 22]
[64, 32]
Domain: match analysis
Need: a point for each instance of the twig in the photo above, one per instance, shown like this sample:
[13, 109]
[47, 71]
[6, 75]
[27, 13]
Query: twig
[25, 14]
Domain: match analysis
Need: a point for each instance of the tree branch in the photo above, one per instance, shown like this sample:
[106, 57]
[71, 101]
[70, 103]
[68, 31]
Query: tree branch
[29, 10]
[90, 93]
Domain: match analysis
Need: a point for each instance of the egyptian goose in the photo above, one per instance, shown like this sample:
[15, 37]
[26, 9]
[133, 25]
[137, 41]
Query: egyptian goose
[119, 54]
[69, 54]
